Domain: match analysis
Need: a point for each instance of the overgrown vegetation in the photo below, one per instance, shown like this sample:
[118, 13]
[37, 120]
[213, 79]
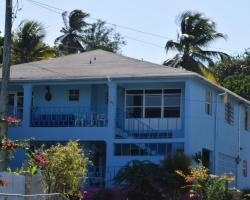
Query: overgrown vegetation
[65, 168]
[149, 181]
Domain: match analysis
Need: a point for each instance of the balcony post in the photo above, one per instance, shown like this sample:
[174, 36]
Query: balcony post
[27, 103]
[186, 118]
[112, 102]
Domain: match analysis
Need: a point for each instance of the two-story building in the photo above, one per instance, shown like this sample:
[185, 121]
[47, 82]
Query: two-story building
[121, 109]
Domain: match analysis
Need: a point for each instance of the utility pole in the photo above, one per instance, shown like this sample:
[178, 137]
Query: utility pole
[6, 66]
[5, 78]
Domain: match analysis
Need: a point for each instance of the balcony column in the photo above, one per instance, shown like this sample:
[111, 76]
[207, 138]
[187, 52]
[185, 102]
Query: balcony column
[186, 118]
[27, 103]
[112, 102]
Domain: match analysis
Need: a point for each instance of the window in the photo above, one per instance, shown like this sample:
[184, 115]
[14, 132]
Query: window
[208, 102]
[247, 120]
[172, 102]
[244, 168]
[134, 103]
[74, 95]
[147, 149]
[229, 113]
[153, 103]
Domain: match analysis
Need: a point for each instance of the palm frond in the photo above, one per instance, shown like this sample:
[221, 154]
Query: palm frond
[175, 62]
[171, 45]
[77, 20]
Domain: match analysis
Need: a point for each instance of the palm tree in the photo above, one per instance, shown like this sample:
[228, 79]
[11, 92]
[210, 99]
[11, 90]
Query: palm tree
[28, 43]
[196, 33]
[74, 24]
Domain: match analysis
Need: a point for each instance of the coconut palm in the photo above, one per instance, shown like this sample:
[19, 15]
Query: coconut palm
[196, 33]
[74, 24]
[28, 43]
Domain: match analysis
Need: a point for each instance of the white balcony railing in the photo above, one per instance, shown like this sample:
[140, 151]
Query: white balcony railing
[68, 117]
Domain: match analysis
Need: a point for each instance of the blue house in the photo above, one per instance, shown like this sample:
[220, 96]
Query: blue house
[121, 109]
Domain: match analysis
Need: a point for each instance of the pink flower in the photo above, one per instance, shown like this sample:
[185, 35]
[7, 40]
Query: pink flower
[41, 160]
[3, 182]
[189, 179]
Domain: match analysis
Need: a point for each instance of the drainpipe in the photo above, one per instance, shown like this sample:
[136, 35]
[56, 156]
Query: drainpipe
[216, 129]
[239, 148]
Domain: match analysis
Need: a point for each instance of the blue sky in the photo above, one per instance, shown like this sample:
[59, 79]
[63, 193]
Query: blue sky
[158, 16]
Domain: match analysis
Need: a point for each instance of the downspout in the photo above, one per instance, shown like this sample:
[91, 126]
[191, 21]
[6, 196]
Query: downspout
[216, 130]
[239, 148]
[215, 133]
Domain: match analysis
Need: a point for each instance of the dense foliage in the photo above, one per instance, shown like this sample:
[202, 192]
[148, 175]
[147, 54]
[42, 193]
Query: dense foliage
[204, 186]
[65, 167]
[196, 33]
[146, 180]
[234, 74]
[28, 45]
[99, 36]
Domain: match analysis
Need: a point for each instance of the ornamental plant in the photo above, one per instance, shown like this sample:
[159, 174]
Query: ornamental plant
[63, 167]
[205, 186]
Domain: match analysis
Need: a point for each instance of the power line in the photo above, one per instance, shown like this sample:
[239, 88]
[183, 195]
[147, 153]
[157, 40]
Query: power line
[59, 11]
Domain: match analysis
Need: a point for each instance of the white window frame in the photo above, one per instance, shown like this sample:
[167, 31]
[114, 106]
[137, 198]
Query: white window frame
[162, 100]
[229, 114]
[247, 119]
[73, 95]
[208, 102]
[244, 168]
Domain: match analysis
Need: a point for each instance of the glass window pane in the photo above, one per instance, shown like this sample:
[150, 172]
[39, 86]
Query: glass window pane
[152, 112]
[153, 149]
[126, 149]
[134, 112]
[172, 112]
[162, 149]
[134, 91]
[172, 100]
[169, 148]
[135, 150]
[172, 91]
[118, 149]
[153, 100]
[153, 91]
[133, 100]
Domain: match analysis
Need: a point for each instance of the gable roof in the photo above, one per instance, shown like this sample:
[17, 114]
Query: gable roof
[77, 66]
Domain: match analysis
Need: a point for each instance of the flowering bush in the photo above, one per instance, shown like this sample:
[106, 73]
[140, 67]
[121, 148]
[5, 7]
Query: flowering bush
[205, 186]
[40, 160]
[3, 182]
[10, 120]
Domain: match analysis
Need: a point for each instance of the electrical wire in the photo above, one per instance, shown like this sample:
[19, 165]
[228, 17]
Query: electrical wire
[59, 10]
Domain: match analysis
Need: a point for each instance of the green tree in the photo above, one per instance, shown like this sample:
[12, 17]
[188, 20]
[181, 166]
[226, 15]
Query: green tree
[196, 33]
[99, 36]
[74, 25]
[28, 43]
[234, 74]
[66, 166]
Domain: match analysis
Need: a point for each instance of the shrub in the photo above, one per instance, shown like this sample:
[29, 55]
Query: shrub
[140, 180]
[103, 194]
[205, 186]
[65, 166]
[177, 161]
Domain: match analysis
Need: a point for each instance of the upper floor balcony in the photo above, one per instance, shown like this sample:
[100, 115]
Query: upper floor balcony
[147, 112]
